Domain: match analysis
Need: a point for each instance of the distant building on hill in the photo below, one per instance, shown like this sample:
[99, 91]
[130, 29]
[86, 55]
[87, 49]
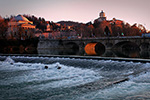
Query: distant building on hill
[114, 25]
[102, 17]
[48, 27]
[20, 27]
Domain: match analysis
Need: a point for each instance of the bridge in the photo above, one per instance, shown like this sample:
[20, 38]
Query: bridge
[97, 45]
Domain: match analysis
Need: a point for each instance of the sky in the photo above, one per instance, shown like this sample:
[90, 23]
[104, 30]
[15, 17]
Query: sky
[131, 11]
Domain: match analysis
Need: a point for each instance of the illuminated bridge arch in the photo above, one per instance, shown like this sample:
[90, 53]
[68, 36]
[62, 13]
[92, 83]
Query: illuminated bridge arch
[94, 48]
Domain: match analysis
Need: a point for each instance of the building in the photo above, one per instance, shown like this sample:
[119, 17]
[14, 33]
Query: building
[49, 27]
[20, 27]
[101, 18]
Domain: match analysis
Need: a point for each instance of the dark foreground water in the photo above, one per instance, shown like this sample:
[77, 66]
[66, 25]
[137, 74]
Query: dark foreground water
[24, 78]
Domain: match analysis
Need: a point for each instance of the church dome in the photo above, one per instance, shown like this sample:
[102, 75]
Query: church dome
[20, 18]
[102, 14]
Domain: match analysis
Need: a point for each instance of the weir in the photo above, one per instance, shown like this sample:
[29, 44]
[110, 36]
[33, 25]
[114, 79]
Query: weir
[75, 79]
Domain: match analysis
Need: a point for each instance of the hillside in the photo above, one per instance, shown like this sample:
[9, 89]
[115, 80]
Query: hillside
[69, 23]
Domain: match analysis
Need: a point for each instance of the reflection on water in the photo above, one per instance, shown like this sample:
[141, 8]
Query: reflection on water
[108, 53]
[19, 50]
[128, 53]
[58, 51]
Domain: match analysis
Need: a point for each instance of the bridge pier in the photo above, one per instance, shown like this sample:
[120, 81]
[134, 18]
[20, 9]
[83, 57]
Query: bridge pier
[145, 46]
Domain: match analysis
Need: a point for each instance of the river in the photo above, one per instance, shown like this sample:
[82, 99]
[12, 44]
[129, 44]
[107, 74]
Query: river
[26, 78]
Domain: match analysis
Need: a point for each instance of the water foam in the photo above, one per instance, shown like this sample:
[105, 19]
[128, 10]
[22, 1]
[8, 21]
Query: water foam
[9, 60]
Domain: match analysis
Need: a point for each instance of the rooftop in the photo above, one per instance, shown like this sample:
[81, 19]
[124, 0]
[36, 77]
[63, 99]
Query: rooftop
[19, 18]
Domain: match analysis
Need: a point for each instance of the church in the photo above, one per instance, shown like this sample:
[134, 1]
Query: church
[101, 22]
[20, 27]
[101, 18]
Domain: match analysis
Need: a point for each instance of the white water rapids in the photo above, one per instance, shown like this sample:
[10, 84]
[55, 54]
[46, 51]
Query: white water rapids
[77, 79]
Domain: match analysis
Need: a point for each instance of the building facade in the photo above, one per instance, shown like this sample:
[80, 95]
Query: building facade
[102, 17]
[20, 27]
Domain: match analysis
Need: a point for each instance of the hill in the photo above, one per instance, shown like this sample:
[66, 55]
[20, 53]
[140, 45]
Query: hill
[69, 23]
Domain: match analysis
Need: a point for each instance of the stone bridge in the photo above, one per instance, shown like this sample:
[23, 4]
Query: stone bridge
[97, 45]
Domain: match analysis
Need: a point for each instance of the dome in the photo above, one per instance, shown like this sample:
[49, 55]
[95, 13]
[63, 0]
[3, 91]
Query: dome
[102, 14]
[20, 18]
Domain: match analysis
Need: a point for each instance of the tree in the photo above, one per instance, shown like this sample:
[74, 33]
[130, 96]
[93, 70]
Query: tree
[98, 32]
[114, 30]
[135, 31]
[126, 29]
[21, 31]
[43, 20]
[107, 31]
[3, 28]
[142, 28]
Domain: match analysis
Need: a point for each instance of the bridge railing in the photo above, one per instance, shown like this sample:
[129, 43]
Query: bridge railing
[96, 38]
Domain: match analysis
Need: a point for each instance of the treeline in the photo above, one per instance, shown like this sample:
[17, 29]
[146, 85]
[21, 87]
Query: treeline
[40, 22]
[96, 29]
[3, 28]
[119, 29]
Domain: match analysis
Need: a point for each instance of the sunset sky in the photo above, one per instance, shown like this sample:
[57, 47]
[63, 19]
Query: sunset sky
[131, 11]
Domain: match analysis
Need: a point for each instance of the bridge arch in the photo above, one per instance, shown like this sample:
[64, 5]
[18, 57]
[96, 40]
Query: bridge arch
[94, 48]
[71, 48]
[72, 45]
[128, 45]
[126, 49]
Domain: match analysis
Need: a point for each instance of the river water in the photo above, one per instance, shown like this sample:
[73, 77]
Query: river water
[25, 78]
